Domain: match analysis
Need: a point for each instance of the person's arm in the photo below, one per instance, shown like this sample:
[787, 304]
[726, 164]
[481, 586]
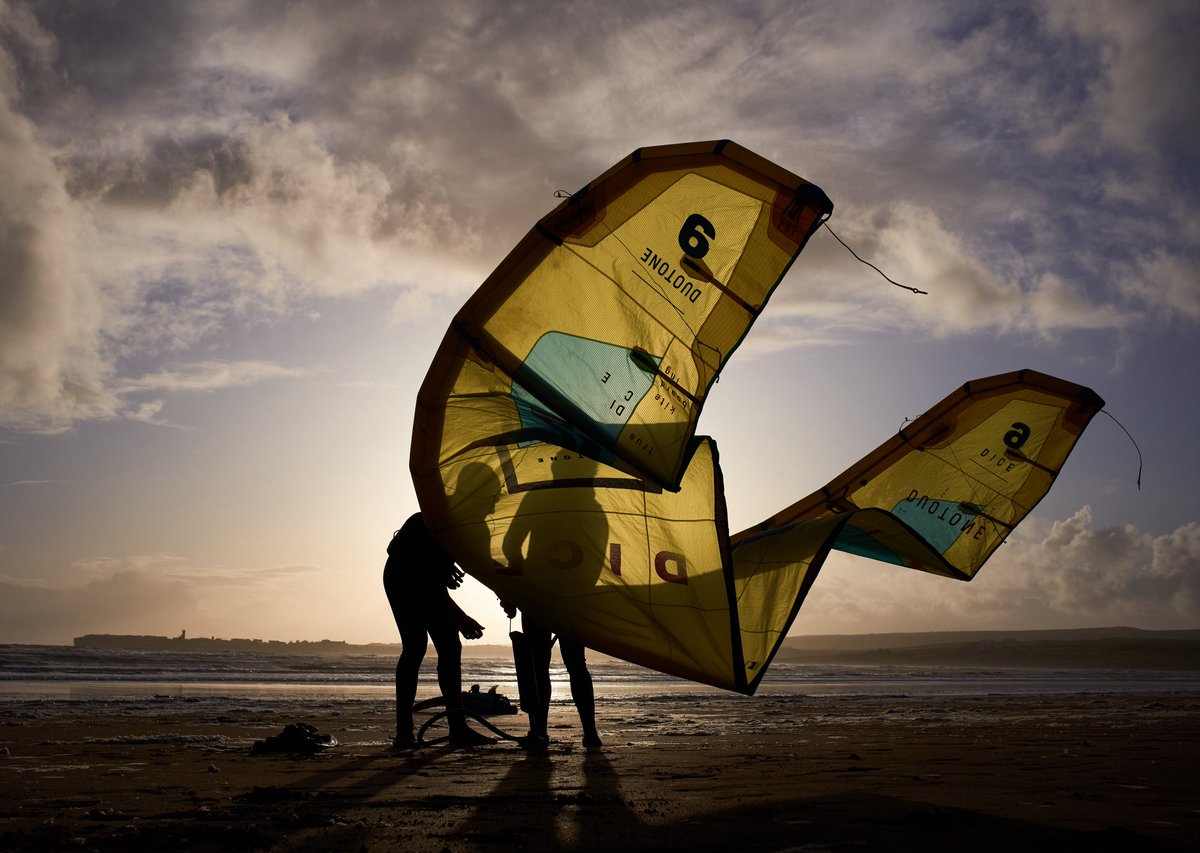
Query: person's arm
[469, 628]
[514, 539]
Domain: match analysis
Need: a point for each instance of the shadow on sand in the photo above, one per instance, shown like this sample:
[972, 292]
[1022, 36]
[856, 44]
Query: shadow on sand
[501, 799]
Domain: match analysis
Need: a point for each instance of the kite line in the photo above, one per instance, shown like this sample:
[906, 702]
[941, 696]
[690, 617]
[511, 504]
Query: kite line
[825, 222]
[1135, 446]
[868, 263]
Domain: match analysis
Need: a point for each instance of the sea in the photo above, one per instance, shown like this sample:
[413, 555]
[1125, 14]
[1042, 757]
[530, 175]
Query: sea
[30, 673]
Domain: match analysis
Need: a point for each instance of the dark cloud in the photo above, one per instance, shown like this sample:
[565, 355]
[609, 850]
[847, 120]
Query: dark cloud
[49, 318]
[194, 166]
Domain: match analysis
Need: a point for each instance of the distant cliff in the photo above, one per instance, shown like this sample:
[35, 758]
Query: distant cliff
[181, 643]
[1088, 648]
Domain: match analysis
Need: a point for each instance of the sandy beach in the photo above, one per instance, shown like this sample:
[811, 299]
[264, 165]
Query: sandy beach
[1073, 772]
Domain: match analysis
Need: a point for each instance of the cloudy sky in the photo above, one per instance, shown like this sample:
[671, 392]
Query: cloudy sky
[232, 234]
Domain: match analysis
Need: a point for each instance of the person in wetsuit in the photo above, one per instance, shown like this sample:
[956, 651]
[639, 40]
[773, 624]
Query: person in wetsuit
[417, 578]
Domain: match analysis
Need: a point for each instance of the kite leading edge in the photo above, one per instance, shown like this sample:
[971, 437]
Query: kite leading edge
[554, 450]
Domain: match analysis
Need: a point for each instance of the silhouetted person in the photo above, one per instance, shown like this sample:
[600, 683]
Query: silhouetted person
[558, 538]
[417, 578]
[540, 642]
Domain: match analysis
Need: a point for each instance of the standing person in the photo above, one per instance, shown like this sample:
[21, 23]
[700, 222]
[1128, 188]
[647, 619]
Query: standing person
[417, 578]
[583, 694]
[557, 539]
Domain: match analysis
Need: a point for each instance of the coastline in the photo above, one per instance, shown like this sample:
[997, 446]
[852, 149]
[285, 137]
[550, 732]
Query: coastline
[1101, 648]
[1075, 771]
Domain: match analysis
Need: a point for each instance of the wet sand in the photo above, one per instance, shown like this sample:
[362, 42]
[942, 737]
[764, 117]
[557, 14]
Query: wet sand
[1087, 772]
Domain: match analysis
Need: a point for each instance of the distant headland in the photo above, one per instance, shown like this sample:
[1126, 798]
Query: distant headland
[144, 642]
[1069, 648]
[330, 648]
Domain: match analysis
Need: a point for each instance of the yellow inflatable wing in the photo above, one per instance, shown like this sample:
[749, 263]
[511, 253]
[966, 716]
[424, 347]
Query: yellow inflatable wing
[554, 450]
[939, 497]
[607, 324]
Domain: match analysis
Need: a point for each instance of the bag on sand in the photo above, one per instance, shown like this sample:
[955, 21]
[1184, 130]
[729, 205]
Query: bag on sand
[295, 738]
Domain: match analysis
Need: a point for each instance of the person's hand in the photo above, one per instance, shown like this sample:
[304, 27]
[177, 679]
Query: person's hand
[456, 578]
[510, 610]
[471, 629]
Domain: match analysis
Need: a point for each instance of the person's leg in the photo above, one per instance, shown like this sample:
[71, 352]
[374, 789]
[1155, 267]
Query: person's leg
[449, 664]
[408, 667]
[415, 641]
[449, 669]
[582, 692]
[538, 638]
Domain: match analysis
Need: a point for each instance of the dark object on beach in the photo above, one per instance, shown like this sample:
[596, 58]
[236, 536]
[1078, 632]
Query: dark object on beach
[489, 704]
[295, 738]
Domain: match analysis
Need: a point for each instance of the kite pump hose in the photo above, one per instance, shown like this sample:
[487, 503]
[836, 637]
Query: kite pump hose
[479, 718]
[527, 688]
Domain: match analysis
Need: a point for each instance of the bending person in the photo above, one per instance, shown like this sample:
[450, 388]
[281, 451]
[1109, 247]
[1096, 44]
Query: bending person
[417, 578]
